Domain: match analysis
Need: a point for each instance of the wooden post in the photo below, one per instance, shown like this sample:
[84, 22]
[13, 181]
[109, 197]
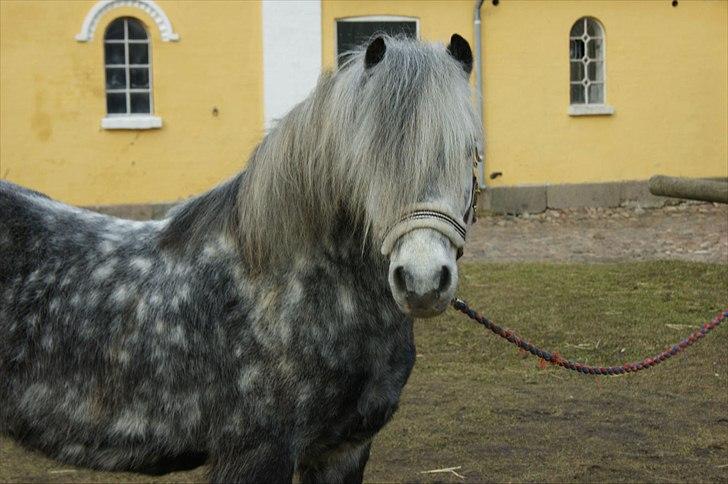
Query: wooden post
[690, 188]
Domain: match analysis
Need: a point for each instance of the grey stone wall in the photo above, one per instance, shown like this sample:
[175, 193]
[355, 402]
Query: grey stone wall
[498, 200]
[537, 198]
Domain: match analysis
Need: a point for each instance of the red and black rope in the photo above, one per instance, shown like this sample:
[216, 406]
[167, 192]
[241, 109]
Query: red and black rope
[556, 359]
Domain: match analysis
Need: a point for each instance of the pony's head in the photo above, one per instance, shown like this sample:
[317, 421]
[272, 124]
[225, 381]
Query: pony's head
[388, 141]
[413, 136]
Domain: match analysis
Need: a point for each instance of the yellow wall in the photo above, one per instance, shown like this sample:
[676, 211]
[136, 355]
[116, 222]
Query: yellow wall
[52, 101]
[667, 78]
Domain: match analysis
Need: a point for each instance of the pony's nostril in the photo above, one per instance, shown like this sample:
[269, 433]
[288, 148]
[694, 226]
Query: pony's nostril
[399, 280]
[445, 279]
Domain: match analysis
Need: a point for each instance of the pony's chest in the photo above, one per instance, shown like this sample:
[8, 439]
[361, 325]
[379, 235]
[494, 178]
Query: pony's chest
[361, 399]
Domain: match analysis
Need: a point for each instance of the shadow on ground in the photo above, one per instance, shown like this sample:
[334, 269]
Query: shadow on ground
[474, 402]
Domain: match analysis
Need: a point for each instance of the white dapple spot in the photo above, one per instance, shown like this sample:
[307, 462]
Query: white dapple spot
[35, 397]
[177, 336]
[345, 299]
[141, 310]
[130, 424]
[120, 294]
[54, 305]
[106, 247]
[141, 264]
[47, 341]
[248, 377]
[105, 270]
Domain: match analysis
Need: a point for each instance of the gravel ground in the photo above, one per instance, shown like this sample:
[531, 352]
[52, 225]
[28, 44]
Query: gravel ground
[688, 231]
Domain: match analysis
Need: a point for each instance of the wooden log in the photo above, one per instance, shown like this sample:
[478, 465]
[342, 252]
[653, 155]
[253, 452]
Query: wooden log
[690, 188]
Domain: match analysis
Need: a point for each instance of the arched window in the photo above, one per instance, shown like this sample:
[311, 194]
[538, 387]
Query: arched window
[128, 74]
[586, 58]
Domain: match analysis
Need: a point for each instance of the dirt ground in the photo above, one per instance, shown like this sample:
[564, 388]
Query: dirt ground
[688, 231]
[475, 404]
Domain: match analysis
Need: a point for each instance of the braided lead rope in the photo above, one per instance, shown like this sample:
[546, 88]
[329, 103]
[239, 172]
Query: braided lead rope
[556, 359]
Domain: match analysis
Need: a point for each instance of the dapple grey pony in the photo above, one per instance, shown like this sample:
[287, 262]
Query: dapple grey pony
[264, 326]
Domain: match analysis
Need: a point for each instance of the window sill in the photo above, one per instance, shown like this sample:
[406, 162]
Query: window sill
[131, 122]
[590, 110]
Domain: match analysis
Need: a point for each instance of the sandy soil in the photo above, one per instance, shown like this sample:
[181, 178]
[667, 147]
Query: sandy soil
[690, 231]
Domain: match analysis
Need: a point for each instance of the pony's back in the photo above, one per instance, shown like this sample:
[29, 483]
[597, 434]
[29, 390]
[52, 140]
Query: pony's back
[84, 310]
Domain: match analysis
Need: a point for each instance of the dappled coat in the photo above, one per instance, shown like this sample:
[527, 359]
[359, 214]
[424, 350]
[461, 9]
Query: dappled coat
[255, 325]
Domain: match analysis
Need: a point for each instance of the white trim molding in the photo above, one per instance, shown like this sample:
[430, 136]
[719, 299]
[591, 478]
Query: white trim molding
[382, 18]
[590, 110]
[148, 6]
[131, 121]
[291, 54]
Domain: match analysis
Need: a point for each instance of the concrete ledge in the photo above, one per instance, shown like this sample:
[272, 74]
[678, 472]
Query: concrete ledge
[586, 195]
[535, 199]
[516, 199]
[511, 200]
[134, 212]
[635, 193]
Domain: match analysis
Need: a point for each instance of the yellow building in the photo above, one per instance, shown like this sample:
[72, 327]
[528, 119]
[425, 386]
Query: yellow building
[141, 102]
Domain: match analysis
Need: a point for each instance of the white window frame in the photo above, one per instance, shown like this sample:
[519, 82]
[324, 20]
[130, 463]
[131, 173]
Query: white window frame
[587, 108]
[372, 18]
[130, 120]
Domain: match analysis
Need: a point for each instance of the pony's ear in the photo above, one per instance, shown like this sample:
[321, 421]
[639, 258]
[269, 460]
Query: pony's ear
[375, 52]
[460, 50]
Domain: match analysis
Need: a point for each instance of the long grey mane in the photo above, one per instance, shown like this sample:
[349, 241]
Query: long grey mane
[366, 143]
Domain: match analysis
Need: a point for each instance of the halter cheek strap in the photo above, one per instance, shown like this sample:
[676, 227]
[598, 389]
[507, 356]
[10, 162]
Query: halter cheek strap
[425, 215]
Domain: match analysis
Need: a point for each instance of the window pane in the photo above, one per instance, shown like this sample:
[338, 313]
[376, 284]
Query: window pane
[115, 78]
[139, 77]
[595, 70]
[115, 30]
[114, 53]
[594, 49]
[136, 30]
[596, 93]
[350, 35]
[577, 94]
[593, 28]
[116, 103]
[578, 29]
[576, 49]
[140, 102]
[138, 53]
[577, 71]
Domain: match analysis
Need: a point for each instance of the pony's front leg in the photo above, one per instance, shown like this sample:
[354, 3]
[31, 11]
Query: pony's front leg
[255, 459]
[345, 465]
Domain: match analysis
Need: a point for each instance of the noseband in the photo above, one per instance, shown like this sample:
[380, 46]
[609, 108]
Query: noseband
[433, 216]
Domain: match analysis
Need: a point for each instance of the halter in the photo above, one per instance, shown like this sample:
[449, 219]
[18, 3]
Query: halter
[432, 216]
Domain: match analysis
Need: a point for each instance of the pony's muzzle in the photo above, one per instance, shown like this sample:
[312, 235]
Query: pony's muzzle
[423, 276]
[423, 299]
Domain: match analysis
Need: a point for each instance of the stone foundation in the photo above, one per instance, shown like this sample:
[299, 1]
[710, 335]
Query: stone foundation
[537, 198]
[498, 200]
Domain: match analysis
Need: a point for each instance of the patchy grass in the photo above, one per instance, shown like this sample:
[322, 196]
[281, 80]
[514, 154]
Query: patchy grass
[475, 402]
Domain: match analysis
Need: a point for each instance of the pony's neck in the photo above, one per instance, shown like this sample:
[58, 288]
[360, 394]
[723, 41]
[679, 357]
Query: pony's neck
[291, 221]
[289, 201]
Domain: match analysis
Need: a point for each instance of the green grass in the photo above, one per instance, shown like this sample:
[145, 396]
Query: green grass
[474, 401]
